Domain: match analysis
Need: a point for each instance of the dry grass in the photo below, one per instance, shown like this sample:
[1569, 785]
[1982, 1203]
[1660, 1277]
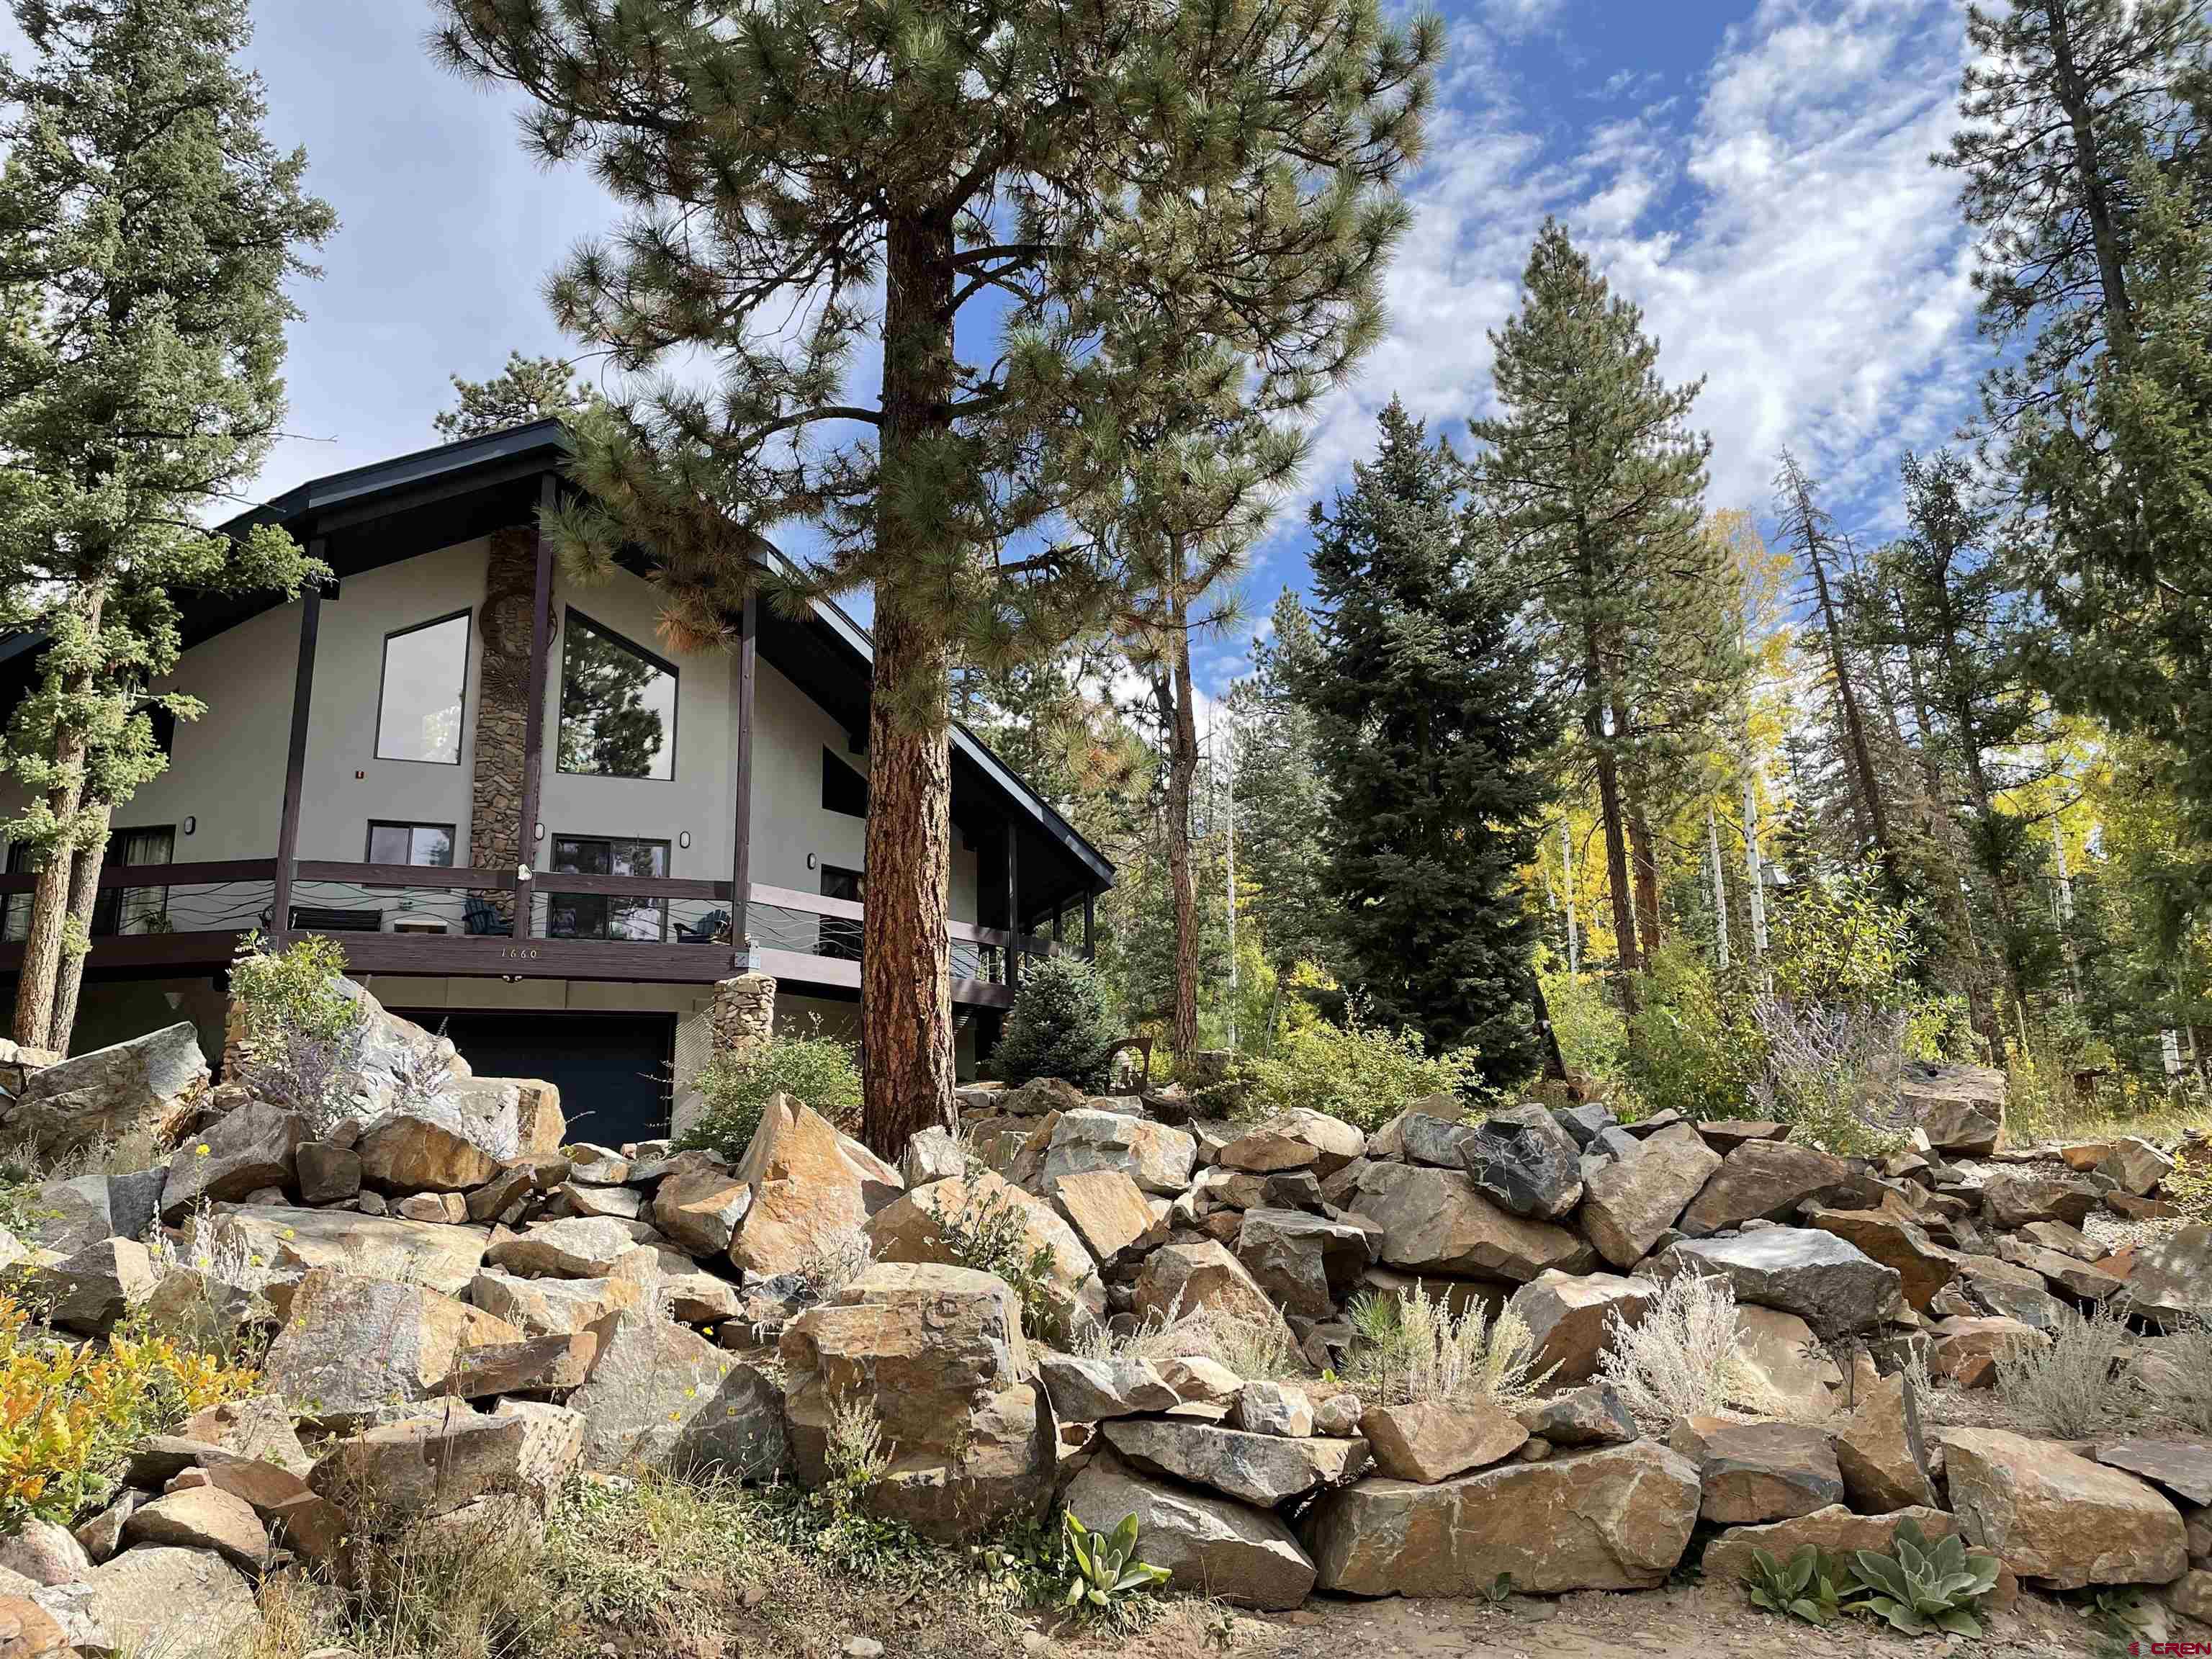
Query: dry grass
[1412, 1349]
[1255, 1351]
[2081, 1383]
[2188, 1400]
[1684, 1358]
[653, 1566]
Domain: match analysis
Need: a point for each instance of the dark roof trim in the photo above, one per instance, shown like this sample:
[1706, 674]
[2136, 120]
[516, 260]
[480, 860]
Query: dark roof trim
[437, 470]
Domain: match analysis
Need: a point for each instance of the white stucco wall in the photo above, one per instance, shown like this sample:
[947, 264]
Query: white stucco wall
[226, 773]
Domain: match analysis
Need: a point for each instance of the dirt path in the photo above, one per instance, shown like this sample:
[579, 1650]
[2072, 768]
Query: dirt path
[1688, 1623]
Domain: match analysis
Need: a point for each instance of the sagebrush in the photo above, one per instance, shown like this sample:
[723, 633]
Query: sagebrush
[815, 1070]
[1684, 1358]
[2079, 1383]
[1411, 1349]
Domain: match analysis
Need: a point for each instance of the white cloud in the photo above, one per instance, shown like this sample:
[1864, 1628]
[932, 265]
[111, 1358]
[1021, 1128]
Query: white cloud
[1784, 232]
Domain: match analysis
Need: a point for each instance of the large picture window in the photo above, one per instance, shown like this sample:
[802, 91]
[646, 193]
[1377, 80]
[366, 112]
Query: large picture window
[617, 706]
[135, 909]
[430, 844]
[426, 673]
[606, 915]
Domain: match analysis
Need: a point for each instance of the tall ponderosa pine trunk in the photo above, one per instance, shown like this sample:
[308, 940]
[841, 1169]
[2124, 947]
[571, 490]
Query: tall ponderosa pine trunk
[1645, 854]
[1594, 704]
[1865, 786]
[40, 974]
[1175, 694]
[84, 895]
[906, 990]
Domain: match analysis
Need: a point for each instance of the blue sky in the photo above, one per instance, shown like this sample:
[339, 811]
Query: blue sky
[1753, 173]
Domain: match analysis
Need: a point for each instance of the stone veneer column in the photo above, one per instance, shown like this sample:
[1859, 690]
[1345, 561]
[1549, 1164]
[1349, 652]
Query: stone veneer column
[745, 1012]
[502, 706]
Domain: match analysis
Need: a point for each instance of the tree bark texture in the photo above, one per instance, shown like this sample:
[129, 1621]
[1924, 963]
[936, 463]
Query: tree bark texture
[40, 974]
[906, 990]
[1177, 698]
[84, 894]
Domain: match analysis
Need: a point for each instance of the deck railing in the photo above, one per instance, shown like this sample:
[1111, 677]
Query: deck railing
[430, 919]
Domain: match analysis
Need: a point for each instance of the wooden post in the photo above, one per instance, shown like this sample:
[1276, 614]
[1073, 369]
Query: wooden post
[296, 755]
[533, 713]
[1089, 950]
[1014, 911]
[741, 844]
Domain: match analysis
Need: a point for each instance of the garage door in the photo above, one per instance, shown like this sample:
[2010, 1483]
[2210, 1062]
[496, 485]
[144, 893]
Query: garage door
[612, 1070]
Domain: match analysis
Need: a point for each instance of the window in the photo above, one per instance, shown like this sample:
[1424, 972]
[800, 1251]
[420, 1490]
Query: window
[839, 937]
[843, 789]
[15, 907]
[606, 915]
[135, 909]
[429, 844]
[426, 673]
[617, 706]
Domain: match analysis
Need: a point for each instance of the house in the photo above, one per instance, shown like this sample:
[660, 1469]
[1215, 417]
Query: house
[522, 820]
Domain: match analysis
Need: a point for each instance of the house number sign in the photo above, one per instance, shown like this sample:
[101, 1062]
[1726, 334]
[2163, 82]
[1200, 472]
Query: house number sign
[519, 953]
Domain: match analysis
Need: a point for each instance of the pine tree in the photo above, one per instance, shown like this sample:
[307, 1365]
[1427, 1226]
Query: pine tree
[1430, 724]
[1597, 481]
[1281, 804]
[2086, 180]
[990, 199]
[147, 231]
[527, 389]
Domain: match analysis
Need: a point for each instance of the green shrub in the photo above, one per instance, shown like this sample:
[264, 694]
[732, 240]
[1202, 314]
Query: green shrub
[989, 1232]
[1059, 1028]
[1358, 1072]
[1593, 1036]
[303, 1033]
[1690, 1047]
[814, 1070]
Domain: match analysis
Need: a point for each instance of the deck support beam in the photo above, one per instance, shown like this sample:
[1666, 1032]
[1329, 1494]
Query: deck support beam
[296, 755]
[741, 837]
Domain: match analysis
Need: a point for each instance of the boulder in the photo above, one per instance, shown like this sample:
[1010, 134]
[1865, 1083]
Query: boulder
[2011, 1291]
[292, 1242]
[1834, 1530]
[44, 1552]
[700, 1209]
[553, 1439]
[203, 1518]
[2057, 1236]
[2182, 1469]
[1306, 1263]
[1961, 1107]
[1827, 1281]
[329, 1173]
[1879, 1451]
[2172, 1282]
[1158, 1158]
[355, 1351]
[2014, 1198]
[28, 1630]
[1108, 1211]
[2065, 1272]
[1295, 1139]
[1614, 1519]
[663, 1396]
[1523, 1160]
[403, 1152]
[427, 1465]
[571, 1247]
[1264, 1469]
[1924, 1268]
[91, 1291]
[172, 1602]
[1181, 1279]
[1757, 1471]
[930, 1155]
[562, 1307]
[937, 1352]
[1033, 1099]
[1093, 1390]
[1212, 1545]
[1434, 1221]
[258, 1429]
[1628, 1203]
[1966, 1350]
[2052, 1515]
[1279, 1408]
[150, 1087]
[535, 1364]
[1767, 1180]
[1788, 1370]
[1434, 1440]
[1198, 1381]
[69, 1216]
[2190, 1595]
[809, 1189]
[238, 1154]
[1586, 1121]
[1436, 1137]
[2134, 1166]
[1589, 1415]
[1569, 1316]
[513, 1117]
[1725, 1134]
[927, 1226]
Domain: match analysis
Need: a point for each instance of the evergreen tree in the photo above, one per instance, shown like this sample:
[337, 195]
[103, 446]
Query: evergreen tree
[2086, 179]
[146, 230]
[1597, 481]
[528, 389]
[1282, 812]
[991, 198]
[1430, 724]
